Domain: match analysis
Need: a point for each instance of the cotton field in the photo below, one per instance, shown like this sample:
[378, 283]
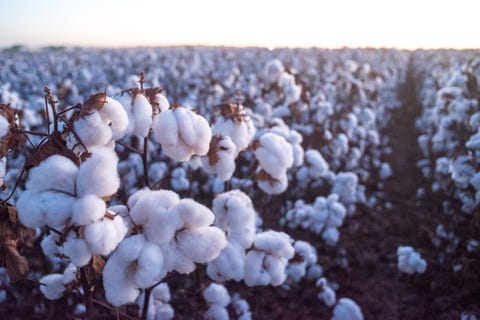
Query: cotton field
[228, 183]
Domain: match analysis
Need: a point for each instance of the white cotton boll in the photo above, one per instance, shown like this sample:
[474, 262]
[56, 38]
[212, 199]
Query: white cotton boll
[345, 186]
[273, 186]
[241, 132]
[115, 116]
[91, 130]
[103, 236]
[410, 261]
[98, 174]
[234, 214]
[327, 295]
[40, 178]
[143, 202]
[331, 235]
[216, 312]
[275, 243]
[255, 274]
[49, 245]
[316, 164]
[273, 71]
[44, 208]
[385, 171]
[88, 209]
[3, 171]
[201, 244]
[229, 265]
[69, 274]
[52, 286]
[149, 265]
[118, 281]
[162, 102]
[473, 142]
[347, 309]
[142, 116]
[129, 249]
[4, 126]
[276, 267]
[274, 154]
[194, 214]
[77, 250]
[217, 294]
[224, 152]
[162, 226]
[176, 260]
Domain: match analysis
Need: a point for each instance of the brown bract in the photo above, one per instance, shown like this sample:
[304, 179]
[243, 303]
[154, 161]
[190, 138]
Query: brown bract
[215, 147]
[11, 239]
[150, 93]
[262, 175]
[54, 145]
[94, 103]
[14, 138]
[231, 111]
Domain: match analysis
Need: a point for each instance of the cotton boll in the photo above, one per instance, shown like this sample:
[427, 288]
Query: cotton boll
[327, 294]
[129, 249]
[216, 312]
[220, 158]
[255, 275]
[235, 215]
[52, 286]
[272, 185]
[237, 125]
[149, 265]
[77, 250]
[201, 244]
[162, 226]
[176, 260]
[193, 214]
[41, 178]
[229, 265]
[331, 235]
[410, 261]
[104, 235]
[217, 294]
[276, 268]
[275, 243]
[273, 71]
[91, 131]
[142, 116]
[114, 115]
[69, 274]
[88, 209]
[118, 281]
[143, 202]
[315, 163]
[98, 174]
[162, 102]
[274, 154]
[347, 309]
[49, 245]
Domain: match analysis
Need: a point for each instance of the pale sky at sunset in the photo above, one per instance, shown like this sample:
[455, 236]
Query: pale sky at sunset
[335, 23]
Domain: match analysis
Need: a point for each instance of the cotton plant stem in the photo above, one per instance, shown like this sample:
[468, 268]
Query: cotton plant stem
[145, 162]
[87, 294]
[146, 302]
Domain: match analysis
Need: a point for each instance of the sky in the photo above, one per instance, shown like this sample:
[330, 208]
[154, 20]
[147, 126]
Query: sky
[408, 24]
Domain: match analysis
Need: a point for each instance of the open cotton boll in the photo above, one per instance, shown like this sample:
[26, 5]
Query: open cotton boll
[272, 185]
[162, 102]
[273, 70]
[276, 267]
[88, 209]
[142, 115]
[316, 164]
[4, 126]
[229, 265]
[44, 208]
[158, 306]
[216, 312]
[327, 294]
[182, 133]
[345, 186]
[91, 130]
[104, 235]
[194, 214]
[275, 243]
[69, 274]
[201, 244]
[77, 250]
[144, 201]
[118, 281]
[274, 154]
[49, 245]
[175, 259]
[410, 261]
[255, 275]
[347, 309]
[220, 158]
[149, 265]
[217, 294]
[129, 249]
[162, 226]
[234, 214]
[40, 178]
[52, 286]
[98, 174]
[115, 116]
[238, 126]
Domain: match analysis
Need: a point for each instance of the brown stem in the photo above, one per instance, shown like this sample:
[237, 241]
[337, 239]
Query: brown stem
[87, 294]
[145, 162]
[115, 310]
[146, 301]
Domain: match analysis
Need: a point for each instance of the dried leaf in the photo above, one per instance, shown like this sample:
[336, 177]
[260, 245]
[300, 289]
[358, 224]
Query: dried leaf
[55, 145]
[262, 175]
[94, 102]
[14, 138]
[11, 238]
[213, 150]
[95, 268]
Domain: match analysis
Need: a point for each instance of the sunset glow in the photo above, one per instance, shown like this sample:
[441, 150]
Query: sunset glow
[124, 23]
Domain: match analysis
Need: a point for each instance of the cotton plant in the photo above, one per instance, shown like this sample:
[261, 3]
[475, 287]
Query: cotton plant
[54, 285]
[327, 295]
[345, 186]
[304, 260]
[410, 261]
[275, 157]
[182, 133]
[73, 200]
[176, 234]
[159, 307]
[217, 298]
